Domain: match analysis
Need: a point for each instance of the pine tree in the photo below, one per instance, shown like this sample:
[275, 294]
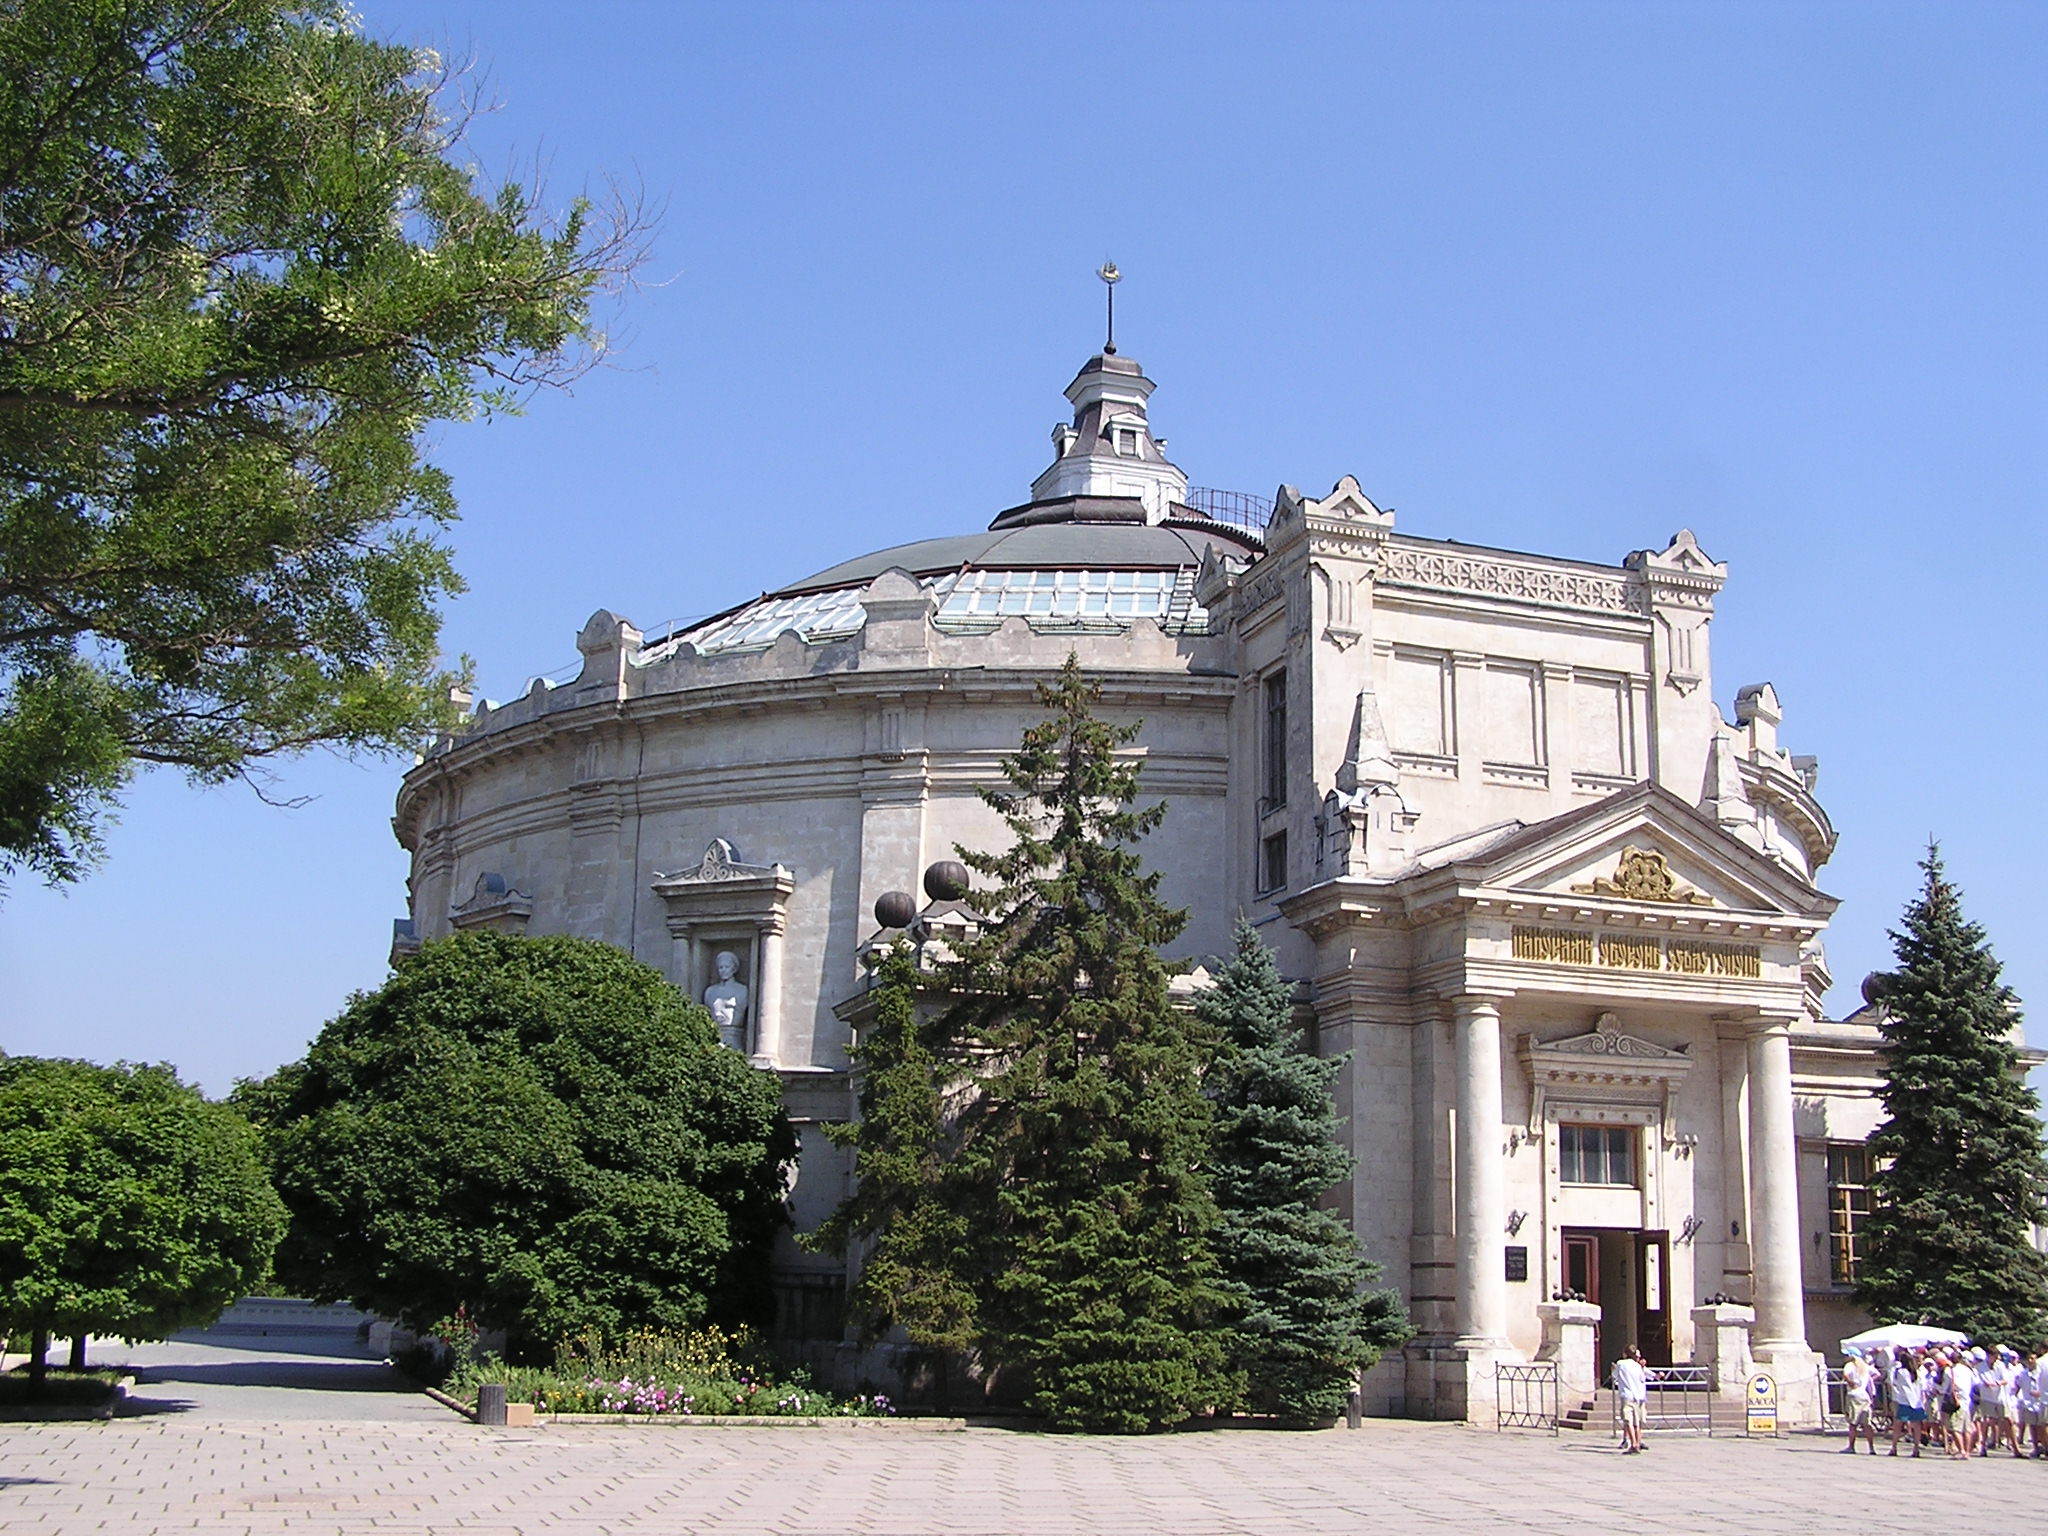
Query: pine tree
[909, 1276]
[1960, 1176]
[1087, 1128]
[1031, 1157]
[1303, 1322]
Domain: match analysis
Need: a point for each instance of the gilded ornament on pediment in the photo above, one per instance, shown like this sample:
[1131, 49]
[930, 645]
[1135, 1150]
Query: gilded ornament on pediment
[1644, 875]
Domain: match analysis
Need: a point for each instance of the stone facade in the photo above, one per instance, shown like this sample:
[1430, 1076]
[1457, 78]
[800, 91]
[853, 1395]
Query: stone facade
[1559, 913]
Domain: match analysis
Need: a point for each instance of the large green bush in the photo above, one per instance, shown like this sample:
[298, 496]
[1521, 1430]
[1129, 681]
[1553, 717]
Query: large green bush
[129, 1205]
[540, 1133]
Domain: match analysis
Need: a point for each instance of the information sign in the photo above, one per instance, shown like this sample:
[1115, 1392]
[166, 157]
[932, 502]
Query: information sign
[1761, 1401]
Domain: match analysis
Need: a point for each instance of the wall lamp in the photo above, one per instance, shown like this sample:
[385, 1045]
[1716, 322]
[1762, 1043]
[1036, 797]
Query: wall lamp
[1515, 1220]
[1689, 1228]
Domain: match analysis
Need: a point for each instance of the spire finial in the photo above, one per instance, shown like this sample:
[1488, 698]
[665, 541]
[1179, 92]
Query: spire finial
[1110, 278]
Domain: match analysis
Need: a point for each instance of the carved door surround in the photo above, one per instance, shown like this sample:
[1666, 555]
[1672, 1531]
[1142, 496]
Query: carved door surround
[1604, 1076]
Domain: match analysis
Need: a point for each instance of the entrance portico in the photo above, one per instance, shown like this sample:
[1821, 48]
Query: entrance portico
[1588, 969]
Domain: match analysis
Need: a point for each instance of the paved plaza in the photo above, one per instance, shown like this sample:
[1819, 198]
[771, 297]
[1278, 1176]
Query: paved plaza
[243, 1443]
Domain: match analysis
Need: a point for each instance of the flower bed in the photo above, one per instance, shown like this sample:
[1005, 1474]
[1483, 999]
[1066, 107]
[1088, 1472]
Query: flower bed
[699, 1374]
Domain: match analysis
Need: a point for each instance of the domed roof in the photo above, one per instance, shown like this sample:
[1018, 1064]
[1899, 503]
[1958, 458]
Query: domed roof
[1112, 535]
[1091, 533]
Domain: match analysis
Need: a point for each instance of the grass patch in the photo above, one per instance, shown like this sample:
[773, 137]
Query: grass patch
[63, 1389]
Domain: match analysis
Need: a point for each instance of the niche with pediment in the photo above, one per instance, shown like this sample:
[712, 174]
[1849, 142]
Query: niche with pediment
[724, 905]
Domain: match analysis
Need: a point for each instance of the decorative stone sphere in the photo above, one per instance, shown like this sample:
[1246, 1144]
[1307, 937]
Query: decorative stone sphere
[946, 881]
[895, 909]
[1875, 986]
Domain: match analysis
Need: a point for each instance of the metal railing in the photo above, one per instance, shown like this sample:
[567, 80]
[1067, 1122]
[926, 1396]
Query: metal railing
[1526, 1396]
[1680, 1400]
[1240, 509]
[1833, 1410]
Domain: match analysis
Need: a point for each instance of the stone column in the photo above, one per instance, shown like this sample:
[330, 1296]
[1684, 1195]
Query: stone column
[1780, 1342]
[768, 996]
[1482, 1176]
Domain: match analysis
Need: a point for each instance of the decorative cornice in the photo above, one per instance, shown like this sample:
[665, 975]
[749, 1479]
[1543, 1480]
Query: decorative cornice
[1500, 574]
[493, 904]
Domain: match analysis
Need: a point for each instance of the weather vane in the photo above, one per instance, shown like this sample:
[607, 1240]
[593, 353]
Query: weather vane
[1110, 278]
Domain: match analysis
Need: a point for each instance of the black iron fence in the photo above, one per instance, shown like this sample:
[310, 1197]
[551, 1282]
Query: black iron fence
[1526, 1396]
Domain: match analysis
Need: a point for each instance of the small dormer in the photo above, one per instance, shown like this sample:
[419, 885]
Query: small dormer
[1109, 449]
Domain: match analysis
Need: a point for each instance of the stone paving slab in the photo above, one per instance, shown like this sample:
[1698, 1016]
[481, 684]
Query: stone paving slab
[225, 1477]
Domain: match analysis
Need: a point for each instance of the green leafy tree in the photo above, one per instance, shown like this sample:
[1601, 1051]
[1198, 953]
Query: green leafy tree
[1304, 1321]
[1960, 1177]
[240, 272]
[129, 1205]
[1043, 1142]
[541, 1132]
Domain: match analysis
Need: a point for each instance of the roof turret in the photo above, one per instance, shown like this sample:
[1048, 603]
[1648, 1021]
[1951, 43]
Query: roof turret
[1109, 449]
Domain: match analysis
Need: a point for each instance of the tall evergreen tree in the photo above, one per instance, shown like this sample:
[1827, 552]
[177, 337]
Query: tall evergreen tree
[909, 1275]
[1064, 1223]
[1303, 1321]
[1088, 1127]
[1960, 1175]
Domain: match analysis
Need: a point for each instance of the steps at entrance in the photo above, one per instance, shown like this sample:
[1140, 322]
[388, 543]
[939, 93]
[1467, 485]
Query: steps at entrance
[1726, 1414]
[1595, 1412]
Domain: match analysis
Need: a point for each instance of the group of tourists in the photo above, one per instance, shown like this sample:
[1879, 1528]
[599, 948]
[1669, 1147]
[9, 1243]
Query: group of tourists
[1966, 1401]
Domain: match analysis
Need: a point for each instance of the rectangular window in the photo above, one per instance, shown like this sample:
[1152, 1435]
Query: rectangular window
[1274, 788]
[1848, 1209]
[1273, 862]
[1597, 1154]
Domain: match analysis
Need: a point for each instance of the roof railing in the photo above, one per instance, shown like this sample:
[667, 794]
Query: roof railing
[1239, 509]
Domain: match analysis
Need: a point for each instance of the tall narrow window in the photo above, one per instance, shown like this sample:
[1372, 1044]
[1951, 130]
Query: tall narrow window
[1274, 789]
[1848, 1209]
[1273, 862]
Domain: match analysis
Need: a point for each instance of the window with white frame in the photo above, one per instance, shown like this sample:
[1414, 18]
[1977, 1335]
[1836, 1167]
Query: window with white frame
[1597, 1154]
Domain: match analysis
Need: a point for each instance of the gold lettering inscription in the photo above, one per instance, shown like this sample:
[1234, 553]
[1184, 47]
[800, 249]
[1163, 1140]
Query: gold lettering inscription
[1554, 946]
[1631, 954]
[1698, 958]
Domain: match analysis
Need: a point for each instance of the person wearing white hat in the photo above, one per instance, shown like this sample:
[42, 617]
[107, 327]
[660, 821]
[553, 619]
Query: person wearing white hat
[1858, 1380]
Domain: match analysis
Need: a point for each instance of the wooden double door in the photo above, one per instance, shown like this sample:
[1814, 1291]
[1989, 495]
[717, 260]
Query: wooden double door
[1627, 1275]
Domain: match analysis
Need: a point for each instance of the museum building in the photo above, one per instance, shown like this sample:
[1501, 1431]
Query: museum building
[1559, 914]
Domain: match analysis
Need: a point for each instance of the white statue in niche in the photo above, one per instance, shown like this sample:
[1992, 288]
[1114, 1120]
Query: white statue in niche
[727, 1000]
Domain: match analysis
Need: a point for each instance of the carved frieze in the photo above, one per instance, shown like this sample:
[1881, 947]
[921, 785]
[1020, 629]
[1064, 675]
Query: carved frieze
[1645, 875]
[1500, 575]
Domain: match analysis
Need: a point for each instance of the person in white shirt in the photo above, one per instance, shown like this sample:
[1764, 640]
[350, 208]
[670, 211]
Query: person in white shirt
[1960, 1423]
[1859, 1384]
[1909, 1417]
[1632, 1393]
[2037, 1384]
[1995, 1403]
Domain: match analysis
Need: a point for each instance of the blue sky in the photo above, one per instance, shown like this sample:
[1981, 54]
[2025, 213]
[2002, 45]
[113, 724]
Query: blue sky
[1561, 277]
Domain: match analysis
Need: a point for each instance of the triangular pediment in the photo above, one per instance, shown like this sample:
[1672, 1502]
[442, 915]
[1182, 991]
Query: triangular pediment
[1642, 847]
[1609, 1041]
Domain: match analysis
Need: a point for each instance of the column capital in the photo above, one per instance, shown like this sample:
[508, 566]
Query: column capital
[1477, 1000]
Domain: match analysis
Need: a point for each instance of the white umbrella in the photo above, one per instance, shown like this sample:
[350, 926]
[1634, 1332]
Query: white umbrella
[1906, 1336]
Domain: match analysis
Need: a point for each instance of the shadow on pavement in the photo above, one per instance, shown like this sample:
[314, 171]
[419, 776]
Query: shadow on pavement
[136, 1407]
[285, 1341]
[304, 1375]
